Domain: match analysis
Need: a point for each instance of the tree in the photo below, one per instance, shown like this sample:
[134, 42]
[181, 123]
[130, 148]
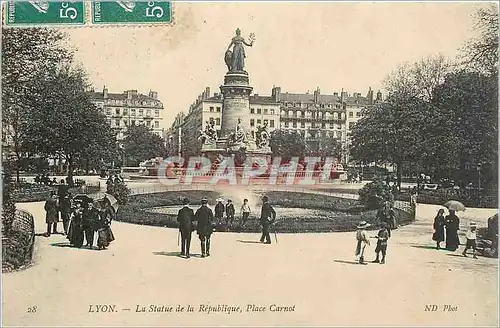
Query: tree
[26, 53]
[287, 144]
[8, 205]
[141, 144]
[481, 52]
[328, 146]
[374, 194]
[66, 122]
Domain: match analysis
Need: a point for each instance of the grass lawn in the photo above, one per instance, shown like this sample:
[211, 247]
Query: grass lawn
[326, 213]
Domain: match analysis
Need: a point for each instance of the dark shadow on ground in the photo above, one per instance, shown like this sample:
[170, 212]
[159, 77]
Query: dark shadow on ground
[349, 262]
[249, 241]
[459, 255]
[67, 245]
[429, 247]
[175, 254]
[44, 234]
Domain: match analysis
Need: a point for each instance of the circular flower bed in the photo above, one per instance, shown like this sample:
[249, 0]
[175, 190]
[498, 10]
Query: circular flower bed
[316, 213]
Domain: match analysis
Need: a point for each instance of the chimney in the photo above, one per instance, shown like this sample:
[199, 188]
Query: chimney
[207, 93]
[379, 96]
[153, 94]
[370, 96]
[342, 95]
[276, 94]
[335, 94]
[316, 95]
[105, 92]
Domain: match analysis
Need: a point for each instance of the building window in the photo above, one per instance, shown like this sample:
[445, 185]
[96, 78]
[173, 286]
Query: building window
[157, 124]
[358, 114]
[125, 122]
[294, 114]
[252, 122]
[141, 112]
[217, 121]
[108, 111]
[302, 124]
[271, 111]
[265, 111]
[211, 108]
[331, 126]
[351, 114]
[323, 125]
[125, 111]
[253, 134]
[218, 109]
[259, 111]
[266, 121]
[252, 110]
[148, 112]
[294, 124]
[132, 122]
[287, 124]
[117, 111]
[132, 112]
[313, 125]
[259, 121]
[157, 113]
[117, 122]
[271, 123]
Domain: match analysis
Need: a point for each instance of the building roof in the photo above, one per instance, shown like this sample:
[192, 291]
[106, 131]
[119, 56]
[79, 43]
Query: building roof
[309, 98]
[120, 96]
[256, 99]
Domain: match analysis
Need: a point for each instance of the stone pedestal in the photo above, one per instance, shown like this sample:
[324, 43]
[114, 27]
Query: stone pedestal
[236, 105]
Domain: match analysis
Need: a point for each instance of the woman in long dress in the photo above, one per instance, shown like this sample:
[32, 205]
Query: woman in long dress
[238, 56]
[452, 226]
[439, 224]
[75, 229]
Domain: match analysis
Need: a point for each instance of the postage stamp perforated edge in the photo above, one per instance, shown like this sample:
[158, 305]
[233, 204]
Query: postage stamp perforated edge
[88, 23]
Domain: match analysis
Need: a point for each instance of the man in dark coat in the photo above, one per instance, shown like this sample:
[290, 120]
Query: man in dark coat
[185, 219]
[204, 217]
[219, 211]
[52, 215]
[65, 209]
[229, 213]
[452, 227]
[90, 219]
[267, 217]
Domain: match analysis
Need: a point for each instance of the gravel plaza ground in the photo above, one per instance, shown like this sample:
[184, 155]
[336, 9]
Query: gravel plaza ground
[315, 273]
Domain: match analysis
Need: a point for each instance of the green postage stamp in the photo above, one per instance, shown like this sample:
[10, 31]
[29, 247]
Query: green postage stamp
[26, 13]
[149, 12]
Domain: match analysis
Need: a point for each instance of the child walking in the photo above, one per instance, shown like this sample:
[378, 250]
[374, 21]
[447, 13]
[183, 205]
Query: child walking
[382, 236]
[362, 241]
[471, 240]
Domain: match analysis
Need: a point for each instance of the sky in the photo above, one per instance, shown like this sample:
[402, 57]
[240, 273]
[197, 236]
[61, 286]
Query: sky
[299, 47]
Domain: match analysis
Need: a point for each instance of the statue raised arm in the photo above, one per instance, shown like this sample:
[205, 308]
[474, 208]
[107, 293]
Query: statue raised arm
[235, 60]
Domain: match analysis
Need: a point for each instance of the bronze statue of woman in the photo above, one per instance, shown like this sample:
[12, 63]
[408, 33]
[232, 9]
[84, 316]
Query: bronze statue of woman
[237, 59]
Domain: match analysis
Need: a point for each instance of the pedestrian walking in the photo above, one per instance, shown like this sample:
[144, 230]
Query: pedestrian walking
[245, 212]
[102, 227]
[439, 224]
[90, 219]
[51, 214]
[219, 211]
[204, 218]
[75, 229]
[471, 240]
[452, 227]
[382, 238]
[267, 218]
[229, 213]
[65, 209]
[185, 218]
[362, 241]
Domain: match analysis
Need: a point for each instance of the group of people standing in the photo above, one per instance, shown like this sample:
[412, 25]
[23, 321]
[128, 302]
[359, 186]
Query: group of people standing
[205, 222]
[229, 210]
[81, 218]
[446, 229]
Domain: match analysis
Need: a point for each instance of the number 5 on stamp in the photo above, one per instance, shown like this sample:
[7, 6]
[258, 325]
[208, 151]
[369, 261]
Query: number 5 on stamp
[131, 12]
[40, 12]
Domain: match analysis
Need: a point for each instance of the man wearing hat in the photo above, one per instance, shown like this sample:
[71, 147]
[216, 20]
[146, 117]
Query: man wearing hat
[267, 217]
[219, 211]
[362, 241]
[229, 213]
[471, 240]
[185, 219]
[204, 216]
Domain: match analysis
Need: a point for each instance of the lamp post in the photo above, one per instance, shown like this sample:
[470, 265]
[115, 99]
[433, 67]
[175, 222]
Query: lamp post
[478, 166]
